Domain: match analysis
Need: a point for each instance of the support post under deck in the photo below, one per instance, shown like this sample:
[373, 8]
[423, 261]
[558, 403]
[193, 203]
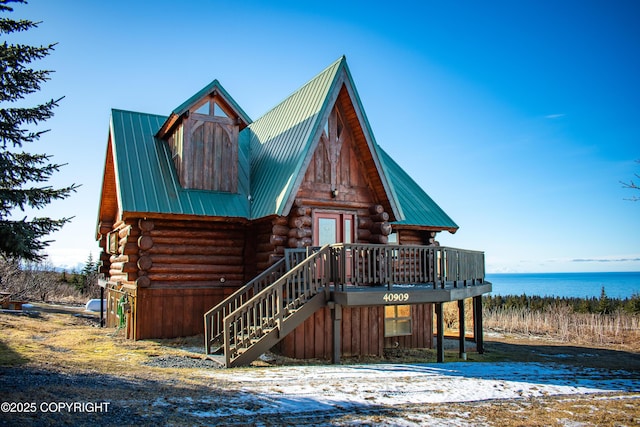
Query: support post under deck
[461, 327]
[477, 323]
[440, 332]
[336, 317]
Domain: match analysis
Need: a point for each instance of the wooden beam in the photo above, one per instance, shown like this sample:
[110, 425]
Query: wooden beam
[336, 317]
[376, 295]
[461, 328]
[477, 323]
[440, 332]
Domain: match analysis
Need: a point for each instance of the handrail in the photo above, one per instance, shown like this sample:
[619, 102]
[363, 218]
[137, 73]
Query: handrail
[214, 317]
[389, 265]
[270, 307]
[264, 304]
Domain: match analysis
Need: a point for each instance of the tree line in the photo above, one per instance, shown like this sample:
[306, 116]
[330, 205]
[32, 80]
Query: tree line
[599, 305]
[40, 281]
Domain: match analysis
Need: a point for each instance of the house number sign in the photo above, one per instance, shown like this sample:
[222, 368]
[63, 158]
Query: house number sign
[395, 297]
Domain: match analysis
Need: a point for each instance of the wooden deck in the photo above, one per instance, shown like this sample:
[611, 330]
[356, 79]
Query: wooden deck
[265, 310]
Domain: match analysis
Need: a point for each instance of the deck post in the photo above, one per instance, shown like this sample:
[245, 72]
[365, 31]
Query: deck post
[477, 323]
[461, 328]
[336, 317]
[440, 332]
[102, 308]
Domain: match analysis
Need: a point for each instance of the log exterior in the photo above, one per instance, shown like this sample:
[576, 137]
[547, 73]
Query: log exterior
[164, 272]
[173, 272]
[336, 165]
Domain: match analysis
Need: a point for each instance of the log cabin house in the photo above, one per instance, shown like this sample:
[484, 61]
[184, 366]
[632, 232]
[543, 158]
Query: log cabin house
[296, 230]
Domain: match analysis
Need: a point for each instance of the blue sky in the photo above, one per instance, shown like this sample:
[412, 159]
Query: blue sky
[519, 119]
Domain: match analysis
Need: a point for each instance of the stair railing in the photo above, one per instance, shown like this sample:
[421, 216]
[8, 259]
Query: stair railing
[272, 306]
[213, 319]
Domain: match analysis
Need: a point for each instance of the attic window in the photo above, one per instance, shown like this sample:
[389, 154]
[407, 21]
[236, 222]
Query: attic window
[218, 111]
[204, 109]
[339, 125]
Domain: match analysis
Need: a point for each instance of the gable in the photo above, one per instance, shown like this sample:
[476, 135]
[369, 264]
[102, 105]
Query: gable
[109, 204]
[284, 140]
[212, 94]
[202, 134]
[336, 170]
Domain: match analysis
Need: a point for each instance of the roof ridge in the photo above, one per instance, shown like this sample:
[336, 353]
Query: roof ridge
[335, 63]
[213, 85]
[120, 110]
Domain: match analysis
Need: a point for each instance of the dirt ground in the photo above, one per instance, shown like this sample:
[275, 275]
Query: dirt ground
[58, 368]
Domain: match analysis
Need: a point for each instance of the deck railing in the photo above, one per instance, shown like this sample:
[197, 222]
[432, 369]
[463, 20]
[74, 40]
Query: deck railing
[371, 265]
[265, 303]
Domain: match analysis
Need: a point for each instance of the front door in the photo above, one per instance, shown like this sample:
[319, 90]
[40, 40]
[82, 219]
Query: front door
[334, 227]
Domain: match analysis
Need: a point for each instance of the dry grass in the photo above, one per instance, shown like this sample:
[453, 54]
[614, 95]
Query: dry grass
[561, 323]
[73, 349]
[75, 343]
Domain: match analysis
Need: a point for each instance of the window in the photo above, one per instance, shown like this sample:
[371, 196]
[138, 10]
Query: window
[218, 111]
[113, 242]
[397, 320]
[204, 109]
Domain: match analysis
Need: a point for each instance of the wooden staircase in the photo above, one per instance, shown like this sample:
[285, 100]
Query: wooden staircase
[265, 310]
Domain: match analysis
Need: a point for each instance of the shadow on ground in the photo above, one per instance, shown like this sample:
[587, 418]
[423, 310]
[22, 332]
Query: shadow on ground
[586, 357]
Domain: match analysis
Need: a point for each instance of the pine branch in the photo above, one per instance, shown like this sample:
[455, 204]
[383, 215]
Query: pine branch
[21, 172]
[11, 120]
[22, 239]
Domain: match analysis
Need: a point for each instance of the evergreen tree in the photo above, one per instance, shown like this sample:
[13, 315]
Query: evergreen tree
[604, 303]
[22, 174]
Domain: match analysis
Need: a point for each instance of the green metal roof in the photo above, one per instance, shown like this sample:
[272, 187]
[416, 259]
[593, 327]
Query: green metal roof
[418, 208]
[272, 153]
[147, 180]
[280, 141]
[214, 85]
[283, 138]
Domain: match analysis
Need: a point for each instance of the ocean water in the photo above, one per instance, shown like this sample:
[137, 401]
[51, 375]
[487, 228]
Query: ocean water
[580, 285]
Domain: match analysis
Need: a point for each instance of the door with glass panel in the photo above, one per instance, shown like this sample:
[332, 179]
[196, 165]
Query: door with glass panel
[334, 227]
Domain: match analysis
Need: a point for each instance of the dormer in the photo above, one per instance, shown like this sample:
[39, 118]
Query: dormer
[202, 134]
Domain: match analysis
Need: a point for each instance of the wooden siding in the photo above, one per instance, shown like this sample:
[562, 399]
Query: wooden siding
[335, 165]
[204, 147]
[361, 332]
[362, 151]
[209, 154]
[422, 330]
[109, 198]
[174, 271]
[168, 313]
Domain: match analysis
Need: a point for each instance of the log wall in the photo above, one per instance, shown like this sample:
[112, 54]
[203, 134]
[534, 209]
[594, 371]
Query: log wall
[417, 237]
[191, 254]
[175, 271]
